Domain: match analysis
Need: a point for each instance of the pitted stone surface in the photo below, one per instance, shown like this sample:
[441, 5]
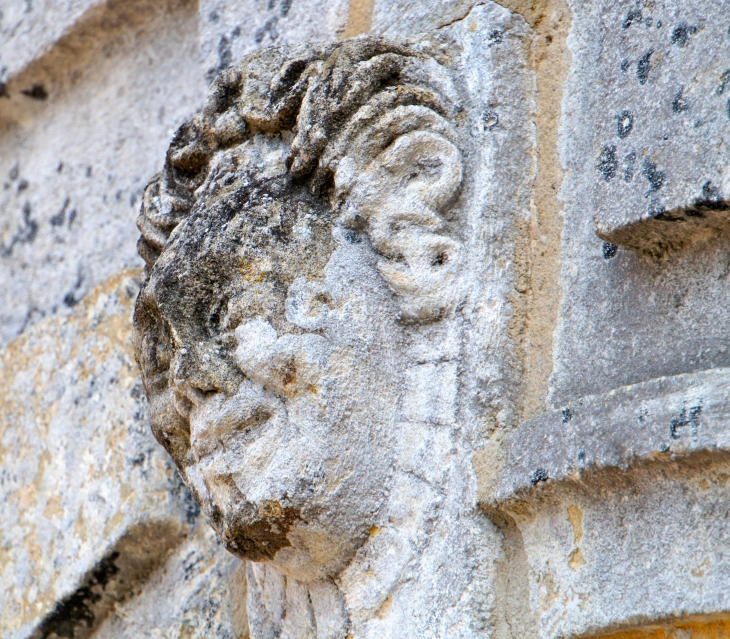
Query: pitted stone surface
[627, 318]
[611, 512]
[659, 125]
[662, 418]
[324, 239]
[30, 29]
[75, 156]
[627, 549]
[231, 29]
[199, 593]
[82, 479]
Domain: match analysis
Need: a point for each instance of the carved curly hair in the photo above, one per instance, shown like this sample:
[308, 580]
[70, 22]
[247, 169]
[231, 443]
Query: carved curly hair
[323, 94]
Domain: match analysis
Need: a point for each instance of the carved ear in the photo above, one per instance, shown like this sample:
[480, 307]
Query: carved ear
[426, 282]
[428, 164]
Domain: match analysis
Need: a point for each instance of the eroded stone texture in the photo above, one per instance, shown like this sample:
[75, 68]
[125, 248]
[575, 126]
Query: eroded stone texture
[323, 332]
[77, 150]
[626, 318]
[199, 593]
[658, 126]
[231, 29]
[625, 549]
[408, 17]
[29, 29]
[664, 417]
[90, 505]
[696, 629]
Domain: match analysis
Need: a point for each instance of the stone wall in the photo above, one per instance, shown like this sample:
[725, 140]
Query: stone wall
[599, 451]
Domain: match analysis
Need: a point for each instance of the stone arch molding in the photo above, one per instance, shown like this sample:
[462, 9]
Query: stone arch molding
[322, 331]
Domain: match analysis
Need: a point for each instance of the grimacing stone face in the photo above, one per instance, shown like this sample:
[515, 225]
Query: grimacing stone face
[298, 229]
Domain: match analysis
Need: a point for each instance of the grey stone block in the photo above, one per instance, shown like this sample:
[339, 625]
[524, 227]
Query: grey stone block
[657, 80]
[660, 419]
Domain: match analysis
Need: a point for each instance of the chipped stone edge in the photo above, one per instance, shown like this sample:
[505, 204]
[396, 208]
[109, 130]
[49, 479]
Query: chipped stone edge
[663, 418]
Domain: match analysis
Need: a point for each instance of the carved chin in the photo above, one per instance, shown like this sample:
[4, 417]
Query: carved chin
[256, 531]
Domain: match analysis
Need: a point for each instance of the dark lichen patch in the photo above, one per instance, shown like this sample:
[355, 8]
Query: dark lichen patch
[495, 37]
[682, 33]
[609, 250]
[643, 66]
[607, 162]
[654, 176]
[59, 218]
[540, 474]
[490, 119]
[36, 92]
[680, 103]
[632, 17]
[724, 80]
[686, 418]
[25, 234]
[567, 415]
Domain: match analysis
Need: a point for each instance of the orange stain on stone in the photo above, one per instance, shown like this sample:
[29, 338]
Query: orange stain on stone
[719, 629]
[359, 17]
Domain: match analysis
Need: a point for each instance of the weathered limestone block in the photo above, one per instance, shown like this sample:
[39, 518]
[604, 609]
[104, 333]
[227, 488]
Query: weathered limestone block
[616, 503]
[662, 418]
[30, 29]
[323, 333]
[694, 628]
[401, 17]
[627, 318]
[620, 549]
[231, 29]
[199, 593]
[657, 119]
[81, 131]
[88, 499]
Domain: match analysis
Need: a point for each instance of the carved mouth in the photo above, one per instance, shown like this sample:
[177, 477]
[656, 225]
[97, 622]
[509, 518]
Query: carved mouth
[222, 424]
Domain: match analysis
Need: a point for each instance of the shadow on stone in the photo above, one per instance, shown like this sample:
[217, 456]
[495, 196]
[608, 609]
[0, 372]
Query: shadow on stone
[118, 576]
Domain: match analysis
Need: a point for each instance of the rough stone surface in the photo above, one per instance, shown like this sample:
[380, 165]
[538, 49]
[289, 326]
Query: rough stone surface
[316, 255]
[69, 201]
[230, 30]
[358, 505]
[624, 317]
[625, 549]
[660, 124]
[665, 417]
[30, 29]
[82, 478]
[199, 593]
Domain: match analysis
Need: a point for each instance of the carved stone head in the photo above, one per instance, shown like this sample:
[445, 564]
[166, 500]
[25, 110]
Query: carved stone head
[299, 230]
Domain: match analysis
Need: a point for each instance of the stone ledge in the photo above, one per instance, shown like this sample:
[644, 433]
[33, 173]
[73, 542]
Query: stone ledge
[28, 30]
[661, 418]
